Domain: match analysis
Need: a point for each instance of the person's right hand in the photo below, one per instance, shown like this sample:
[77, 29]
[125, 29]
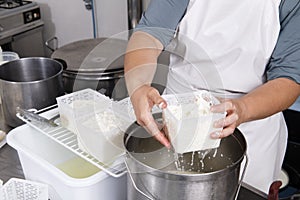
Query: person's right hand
[143, 99]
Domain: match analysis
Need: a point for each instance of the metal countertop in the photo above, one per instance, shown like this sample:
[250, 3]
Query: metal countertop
[10, 165]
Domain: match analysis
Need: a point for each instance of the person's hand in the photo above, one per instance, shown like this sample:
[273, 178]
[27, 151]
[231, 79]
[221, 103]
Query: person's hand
[234, 117]
[143, 99]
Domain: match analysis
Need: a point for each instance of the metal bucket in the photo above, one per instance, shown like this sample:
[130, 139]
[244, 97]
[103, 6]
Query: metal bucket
[29, 83]
[153, 172]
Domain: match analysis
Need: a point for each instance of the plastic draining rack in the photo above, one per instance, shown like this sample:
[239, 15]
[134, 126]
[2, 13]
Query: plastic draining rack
[68, 139]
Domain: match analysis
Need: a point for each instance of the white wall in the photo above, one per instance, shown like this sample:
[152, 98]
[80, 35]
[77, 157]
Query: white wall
[112, 17]
[70, 21]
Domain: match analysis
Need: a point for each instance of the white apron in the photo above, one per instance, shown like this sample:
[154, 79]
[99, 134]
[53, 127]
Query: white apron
[224, 46]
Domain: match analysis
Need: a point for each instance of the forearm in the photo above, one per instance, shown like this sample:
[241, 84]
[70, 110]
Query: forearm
[140, 66]
[268, 99]
[141, 60]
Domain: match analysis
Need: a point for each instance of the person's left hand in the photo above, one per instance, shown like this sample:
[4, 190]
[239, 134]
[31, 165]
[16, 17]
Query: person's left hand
[234, 117]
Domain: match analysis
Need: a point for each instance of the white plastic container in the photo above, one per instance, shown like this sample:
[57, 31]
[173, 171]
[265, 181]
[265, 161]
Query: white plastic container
[101, 136]
[188, 121]
[42, 160]
[80, 104]
[7, 56]
[89, 115]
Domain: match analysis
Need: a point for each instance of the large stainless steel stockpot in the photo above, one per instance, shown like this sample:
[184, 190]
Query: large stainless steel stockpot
[29, 83]
[94, 63]
[153, 174]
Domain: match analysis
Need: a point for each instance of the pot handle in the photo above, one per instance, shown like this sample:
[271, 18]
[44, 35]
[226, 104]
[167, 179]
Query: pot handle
[242, 177]
[53, 40]
[132, 180]
[62, 62]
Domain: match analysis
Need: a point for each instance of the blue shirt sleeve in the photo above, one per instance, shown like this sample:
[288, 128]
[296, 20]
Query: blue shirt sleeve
[285, 60]
[162, 18]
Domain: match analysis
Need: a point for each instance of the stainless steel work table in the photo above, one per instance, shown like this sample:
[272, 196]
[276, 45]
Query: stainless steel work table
[9, 161]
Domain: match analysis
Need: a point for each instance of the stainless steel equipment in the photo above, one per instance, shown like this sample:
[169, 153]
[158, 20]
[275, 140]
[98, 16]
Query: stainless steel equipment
[153, 171]
[21, 28]
[94, 63]
[29, 83]
[135, 10]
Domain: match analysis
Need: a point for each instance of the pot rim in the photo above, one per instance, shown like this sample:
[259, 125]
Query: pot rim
[89, 71]
[36, 81]
[94, 77]
[93, 73]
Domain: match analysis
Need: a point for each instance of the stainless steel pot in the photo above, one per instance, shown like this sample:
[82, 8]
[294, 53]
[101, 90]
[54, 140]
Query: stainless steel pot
[94, 63]
[110, 83]
[153, 173]
[29, 83]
